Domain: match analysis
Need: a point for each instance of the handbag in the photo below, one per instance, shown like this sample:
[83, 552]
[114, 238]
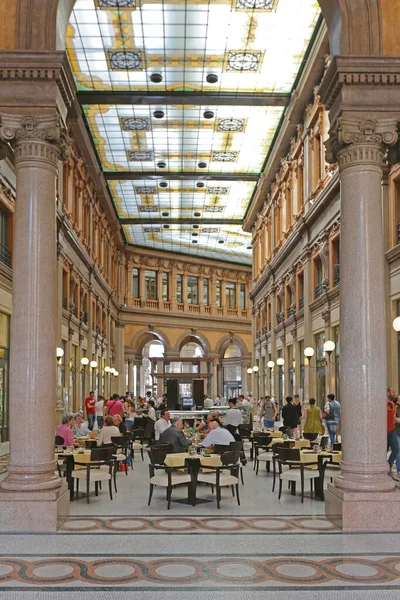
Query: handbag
[328, 416]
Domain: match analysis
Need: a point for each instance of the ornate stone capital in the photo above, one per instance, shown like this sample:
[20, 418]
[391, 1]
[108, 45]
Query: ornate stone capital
[35, 138]
[360, 142]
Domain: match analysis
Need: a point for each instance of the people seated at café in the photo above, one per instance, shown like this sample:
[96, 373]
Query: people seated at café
[217, 435]
[109, 431]
[118, 422]
[203, 425]
[208, 402]
[80, 429]
[233, 417]
[162, 424]
[290, 414]
[65, 430]
[175, 436]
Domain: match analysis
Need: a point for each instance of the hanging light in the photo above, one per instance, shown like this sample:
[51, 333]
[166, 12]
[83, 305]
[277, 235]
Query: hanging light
[60, 352]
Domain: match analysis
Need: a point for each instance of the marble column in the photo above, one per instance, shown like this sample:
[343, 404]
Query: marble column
[32, 497]
[130, 375]
[363, 493]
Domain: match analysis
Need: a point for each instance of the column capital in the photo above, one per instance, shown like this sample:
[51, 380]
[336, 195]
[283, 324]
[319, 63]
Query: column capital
[354, 141]
[35, 138]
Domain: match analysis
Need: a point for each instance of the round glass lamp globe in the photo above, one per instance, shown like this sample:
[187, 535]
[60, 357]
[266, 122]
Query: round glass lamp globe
[396, 324]
[93, 364]
[112, 370]
[280, 362]
[84, 361]
[309, 352]
[255, 369]
[270, 364]
[329, 346]
[60, 352]
[116, 373]
[107, 369]
[249, 370]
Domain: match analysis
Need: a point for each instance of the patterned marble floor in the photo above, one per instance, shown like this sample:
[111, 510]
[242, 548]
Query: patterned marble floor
[263, 549]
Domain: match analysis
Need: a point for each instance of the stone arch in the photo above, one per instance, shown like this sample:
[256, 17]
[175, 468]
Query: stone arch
[226, 340]
[143, 336]
[193, 336]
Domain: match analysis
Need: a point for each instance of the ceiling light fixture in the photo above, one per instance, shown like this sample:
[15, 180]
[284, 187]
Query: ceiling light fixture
[165, 214]
[161, 165]
[196, 226]
[220, 241]
[158, 114]
[166, 226]
[202, 165]
[200, 184]
[197, 214]
[212, 78]
[163, 184]
[208, 114]
[156, 78]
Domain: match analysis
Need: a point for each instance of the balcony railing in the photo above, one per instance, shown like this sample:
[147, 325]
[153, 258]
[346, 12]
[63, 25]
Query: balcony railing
[194, 308]
[74, 311]
[301, 303]
[291, 311]
[318, 290]
[5, 255]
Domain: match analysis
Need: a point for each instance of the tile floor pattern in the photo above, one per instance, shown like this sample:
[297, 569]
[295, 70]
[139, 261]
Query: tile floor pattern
[264, 549]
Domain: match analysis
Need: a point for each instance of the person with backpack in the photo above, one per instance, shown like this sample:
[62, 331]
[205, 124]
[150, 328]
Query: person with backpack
[332, 416]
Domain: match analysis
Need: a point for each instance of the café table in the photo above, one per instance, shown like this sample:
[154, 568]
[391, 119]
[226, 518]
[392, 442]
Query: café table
[69, 459]
[194, 462]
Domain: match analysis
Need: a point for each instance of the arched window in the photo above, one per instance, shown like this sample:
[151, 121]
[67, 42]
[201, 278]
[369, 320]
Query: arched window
[232, 351]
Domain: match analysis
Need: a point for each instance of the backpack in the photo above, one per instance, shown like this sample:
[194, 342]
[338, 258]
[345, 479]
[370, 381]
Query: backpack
[329, 416]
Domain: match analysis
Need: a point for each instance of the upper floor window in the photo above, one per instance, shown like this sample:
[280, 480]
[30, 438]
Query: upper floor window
[135, 283]
[218, 292]
[317, 277]
[300, 290]
[150, 285]
[179, 288]
[165, 291]
[206, 300]
[192, 290]
[5, 254]
[243, 296]
[230, 294]
[335, 257]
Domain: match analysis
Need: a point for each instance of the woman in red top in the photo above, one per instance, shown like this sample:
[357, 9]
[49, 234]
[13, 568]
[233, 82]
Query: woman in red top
[115, 407]
[391, 432]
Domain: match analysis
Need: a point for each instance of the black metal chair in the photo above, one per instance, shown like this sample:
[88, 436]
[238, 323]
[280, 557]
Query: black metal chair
[122, 444]
[261, 442]
[221, 448]
[337, 446]
[164, 476]
[238, 447]
[297, 471]
[285, 430]
[245, 431]
[324, 442]
[94, 470]
[275, 455]
[217, 478]
[311, 437]
[136, 437]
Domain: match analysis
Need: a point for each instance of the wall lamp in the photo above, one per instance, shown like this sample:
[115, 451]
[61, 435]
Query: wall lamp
[328, 348]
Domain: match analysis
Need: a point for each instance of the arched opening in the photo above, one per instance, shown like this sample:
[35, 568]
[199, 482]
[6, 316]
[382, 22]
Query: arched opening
[152, 350]
[231, 363]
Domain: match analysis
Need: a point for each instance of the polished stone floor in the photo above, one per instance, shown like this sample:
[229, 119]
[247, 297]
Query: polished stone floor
[263, 549]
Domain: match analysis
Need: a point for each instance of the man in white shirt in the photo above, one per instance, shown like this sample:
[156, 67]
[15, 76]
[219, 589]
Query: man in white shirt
[208, 403]
[162, 424]
[161, 400]
[217, 435]
[218, 400]
[151, 413]
[233, 417]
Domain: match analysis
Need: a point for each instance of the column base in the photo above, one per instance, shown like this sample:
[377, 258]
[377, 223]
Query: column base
[363, 511]
[24, 512]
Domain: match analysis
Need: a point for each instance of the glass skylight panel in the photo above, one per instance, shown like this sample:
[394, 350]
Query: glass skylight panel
[250, 50]
[229, 243]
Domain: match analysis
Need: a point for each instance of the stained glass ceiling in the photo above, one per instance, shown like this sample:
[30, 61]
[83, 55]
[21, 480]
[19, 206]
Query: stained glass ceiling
[183, 99]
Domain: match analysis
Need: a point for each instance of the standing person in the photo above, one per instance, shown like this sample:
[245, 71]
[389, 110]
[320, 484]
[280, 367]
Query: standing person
[90, 405]
[149, 396]
[243, 400]
[332, 416]
[290, 414]
[397, 430]
[99, 411]
[269, 412]
[391, 431]
[313, 417]
[299, 405]
[130, 415]
[162, 424]
[115, 407]
[233, 418]
[152, 412]
[208, 403]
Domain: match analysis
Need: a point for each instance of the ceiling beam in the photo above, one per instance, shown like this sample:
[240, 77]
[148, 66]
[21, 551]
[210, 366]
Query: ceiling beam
[180, 98]
[183, 221]
[158, 176]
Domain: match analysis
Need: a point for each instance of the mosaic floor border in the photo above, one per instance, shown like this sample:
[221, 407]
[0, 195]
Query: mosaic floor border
[227, 524]
[187, 573]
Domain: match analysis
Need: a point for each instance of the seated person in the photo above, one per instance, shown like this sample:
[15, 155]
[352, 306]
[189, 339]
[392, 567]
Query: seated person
[109, 430]
[203, 425]
[65, 430]
[217, 435]
[119, 423]
[175, 436]
[80, 429]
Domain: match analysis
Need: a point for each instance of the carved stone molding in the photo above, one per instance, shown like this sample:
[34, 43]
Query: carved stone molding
[354, 142]
[35, 138]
